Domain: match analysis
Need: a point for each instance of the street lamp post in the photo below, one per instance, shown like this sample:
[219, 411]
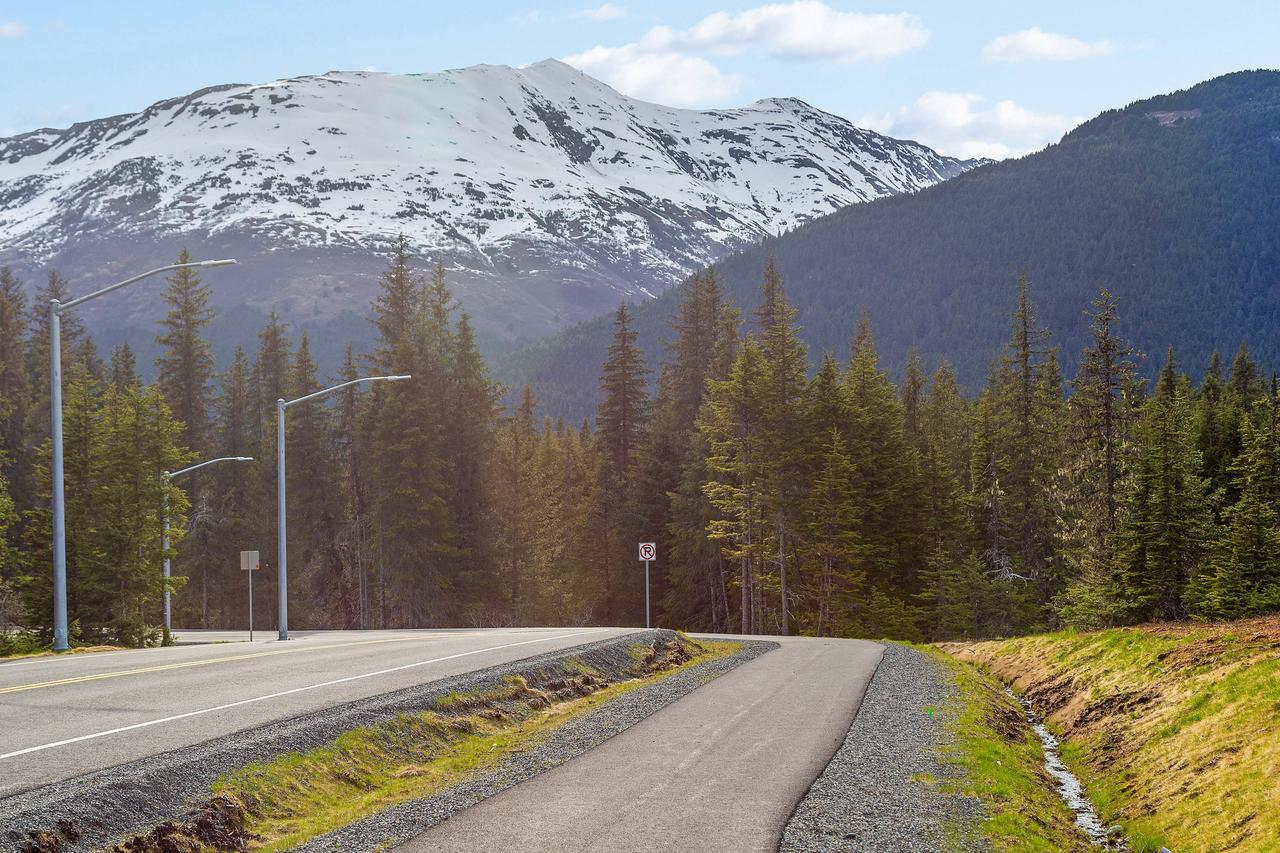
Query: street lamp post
[56, 308]
[282, 551]
[164, 535]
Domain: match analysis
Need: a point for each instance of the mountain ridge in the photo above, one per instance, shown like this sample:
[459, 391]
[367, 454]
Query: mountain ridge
[546, 194]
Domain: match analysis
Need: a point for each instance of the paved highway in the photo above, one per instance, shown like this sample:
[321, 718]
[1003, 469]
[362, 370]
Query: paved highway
[63, 716]
[719, 770]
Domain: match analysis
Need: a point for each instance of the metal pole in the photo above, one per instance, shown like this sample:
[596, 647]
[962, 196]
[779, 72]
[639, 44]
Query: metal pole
[56, 308]
[164, 534]
[646, 595]
[282, 553]
[250, 573]
[59, 493]
[164, 547]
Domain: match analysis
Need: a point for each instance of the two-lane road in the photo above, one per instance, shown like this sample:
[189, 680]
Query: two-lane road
[63, 716]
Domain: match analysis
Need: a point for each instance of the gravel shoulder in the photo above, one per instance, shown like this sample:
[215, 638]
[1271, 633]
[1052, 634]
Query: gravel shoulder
[128, 798]
[407, 820]
[879, 791]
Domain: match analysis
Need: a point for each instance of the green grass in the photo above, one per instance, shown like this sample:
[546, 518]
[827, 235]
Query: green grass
[1195, 766]
[306, 794]
[999, 762]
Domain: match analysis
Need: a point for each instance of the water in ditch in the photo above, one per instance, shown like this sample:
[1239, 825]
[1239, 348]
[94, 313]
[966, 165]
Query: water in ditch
[1069, 787]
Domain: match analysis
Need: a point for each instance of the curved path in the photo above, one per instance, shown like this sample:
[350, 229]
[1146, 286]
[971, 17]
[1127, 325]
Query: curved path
[719, 770]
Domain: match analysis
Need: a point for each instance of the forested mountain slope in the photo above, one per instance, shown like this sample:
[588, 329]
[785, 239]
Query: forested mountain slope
[1172, 203]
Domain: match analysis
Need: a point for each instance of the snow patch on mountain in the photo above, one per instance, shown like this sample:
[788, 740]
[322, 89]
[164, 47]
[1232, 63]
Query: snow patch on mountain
[502, 173]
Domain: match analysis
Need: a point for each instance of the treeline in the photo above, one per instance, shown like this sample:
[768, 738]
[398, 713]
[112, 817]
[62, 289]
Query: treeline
[828, 502]
[839, 503]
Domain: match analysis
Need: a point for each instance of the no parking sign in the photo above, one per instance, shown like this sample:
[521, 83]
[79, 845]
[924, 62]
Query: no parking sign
[648, 551]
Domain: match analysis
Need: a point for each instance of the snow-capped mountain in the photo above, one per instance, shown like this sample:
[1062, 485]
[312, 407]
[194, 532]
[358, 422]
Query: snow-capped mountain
[548, 195]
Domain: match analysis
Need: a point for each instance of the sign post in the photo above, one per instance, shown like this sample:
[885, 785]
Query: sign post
[249, 565]
[648, 552]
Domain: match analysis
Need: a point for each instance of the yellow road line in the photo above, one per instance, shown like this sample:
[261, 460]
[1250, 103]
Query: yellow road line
[184, 664]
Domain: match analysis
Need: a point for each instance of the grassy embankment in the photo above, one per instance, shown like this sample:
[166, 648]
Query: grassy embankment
[1174, 729]
[279, 804]
[999, 762]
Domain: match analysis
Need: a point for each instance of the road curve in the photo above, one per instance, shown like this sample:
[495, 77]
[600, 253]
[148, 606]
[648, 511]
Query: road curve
[719, 770]
[67, 715]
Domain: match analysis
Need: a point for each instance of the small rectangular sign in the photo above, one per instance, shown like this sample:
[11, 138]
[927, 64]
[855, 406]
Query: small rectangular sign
[648, 551]
[249, 561]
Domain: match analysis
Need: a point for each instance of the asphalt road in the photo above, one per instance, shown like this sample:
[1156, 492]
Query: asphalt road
[67, 715]
[719, 770]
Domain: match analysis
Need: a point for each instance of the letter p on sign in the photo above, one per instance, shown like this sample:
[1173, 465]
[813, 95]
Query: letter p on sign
[648, 551]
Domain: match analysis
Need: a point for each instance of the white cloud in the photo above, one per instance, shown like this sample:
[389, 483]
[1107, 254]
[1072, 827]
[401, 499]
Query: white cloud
[1035, 43]
[804, 29]
[669, 65]
[600, 14]
[662, 76]
[526, 19]
[960, 124]
[12, 30]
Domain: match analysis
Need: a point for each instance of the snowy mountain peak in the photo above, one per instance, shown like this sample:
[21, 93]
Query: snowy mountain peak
[540, 187]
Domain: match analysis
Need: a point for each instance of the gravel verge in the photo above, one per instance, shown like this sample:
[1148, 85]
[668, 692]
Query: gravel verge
[868, 799]
[111, 804]
[402, 822]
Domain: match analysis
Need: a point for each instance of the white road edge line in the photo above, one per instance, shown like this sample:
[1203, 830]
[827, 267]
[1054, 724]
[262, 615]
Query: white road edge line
[254, 699]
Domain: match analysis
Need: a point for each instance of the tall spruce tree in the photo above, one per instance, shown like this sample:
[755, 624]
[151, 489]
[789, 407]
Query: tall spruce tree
[1242, 577]
[785, 448]
[621, 421]
[1167, 526]
[185, 367]
[1104, 404]
[15, 393]
[731, 425]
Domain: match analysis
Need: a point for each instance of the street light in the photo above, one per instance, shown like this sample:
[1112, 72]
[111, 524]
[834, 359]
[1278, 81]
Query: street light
[55, 408]
[282, 553]
[164, 535]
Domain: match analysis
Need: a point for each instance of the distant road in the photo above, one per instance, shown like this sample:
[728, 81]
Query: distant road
[719, 770]
[63, 716]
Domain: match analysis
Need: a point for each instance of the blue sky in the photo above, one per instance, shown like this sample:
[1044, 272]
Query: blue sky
[976, 78]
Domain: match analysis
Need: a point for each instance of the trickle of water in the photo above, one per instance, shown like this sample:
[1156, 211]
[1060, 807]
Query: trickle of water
[1069, 787]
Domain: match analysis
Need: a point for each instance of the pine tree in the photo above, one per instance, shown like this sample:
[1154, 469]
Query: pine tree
[620, 423]
[124, 372]
[517, 499]
[186, 365]
[1104, 404]
[947, 424]
[1167, 526]
[11, 559]
[1243, 573]
[315, 500]
[15, 393]
[886, 467]
[698, 587]
[468, 447]
[913, 389]
[236, 500]
[784, 445]
[1026, 444]
[405, 426]
[834, 585]
[732, 425]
